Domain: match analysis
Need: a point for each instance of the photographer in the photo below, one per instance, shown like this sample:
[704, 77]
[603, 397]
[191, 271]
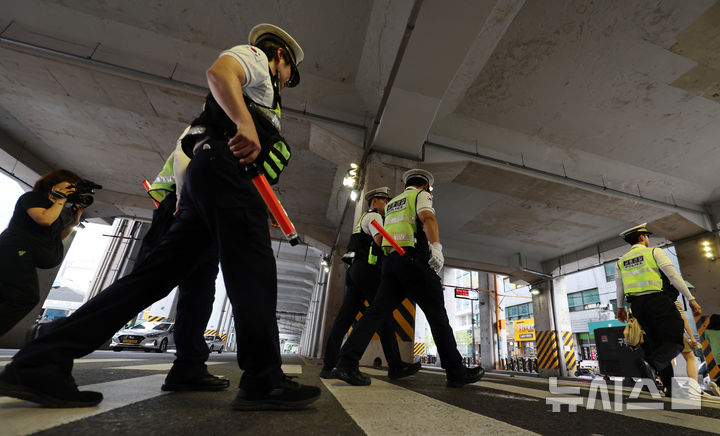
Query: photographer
[33, 239]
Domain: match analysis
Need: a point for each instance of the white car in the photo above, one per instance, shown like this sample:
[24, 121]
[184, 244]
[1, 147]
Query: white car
[214, 343]
[147, 336]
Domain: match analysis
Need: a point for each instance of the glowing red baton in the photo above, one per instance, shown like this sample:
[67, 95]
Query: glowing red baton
[389, 238]
[276, 209]
[146, 184]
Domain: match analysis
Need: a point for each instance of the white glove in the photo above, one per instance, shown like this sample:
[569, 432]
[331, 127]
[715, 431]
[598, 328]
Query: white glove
[436, 257]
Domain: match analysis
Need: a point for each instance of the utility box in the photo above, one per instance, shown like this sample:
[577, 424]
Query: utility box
[615, 357]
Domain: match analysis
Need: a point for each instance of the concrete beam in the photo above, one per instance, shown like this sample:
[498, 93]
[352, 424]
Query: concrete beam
[420, 85]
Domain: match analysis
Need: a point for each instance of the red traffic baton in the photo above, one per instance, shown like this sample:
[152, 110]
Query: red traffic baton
[387, 237]
[275, 208]
[146, 184]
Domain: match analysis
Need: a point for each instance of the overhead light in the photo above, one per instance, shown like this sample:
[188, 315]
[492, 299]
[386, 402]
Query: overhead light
[353, 165]
[353, 195]
[535, 291]
[706, 243]
[709, 255]
[327, 269]
[707, 248]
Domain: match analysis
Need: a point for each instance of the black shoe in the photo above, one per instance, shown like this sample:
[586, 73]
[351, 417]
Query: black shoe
[352, 376]
[646, 370]
[404, 370]
[206, 382]
[471, 376]
[327, 373]
[45, 386]
[288, 396]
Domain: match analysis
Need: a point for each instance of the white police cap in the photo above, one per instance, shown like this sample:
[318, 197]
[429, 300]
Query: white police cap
[263, 30]
[383, 192]
[417, 172]
[642, 228]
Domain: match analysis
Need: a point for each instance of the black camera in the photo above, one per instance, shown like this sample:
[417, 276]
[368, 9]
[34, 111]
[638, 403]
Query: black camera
[84, 191]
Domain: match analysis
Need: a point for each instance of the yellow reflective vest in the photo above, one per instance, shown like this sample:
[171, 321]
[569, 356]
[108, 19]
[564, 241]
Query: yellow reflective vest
[401, 219]
[639, 271]
[164, 182]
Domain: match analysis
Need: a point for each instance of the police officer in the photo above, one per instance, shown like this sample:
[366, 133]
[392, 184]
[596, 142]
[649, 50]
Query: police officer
[410, 220]
[196, 292]
[639, 278]
[361, 283]
[218, 205]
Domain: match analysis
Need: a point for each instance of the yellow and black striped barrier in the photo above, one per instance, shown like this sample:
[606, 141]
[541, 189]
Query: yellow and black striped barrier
[418, 349]
[404, 316]
[212, 332]
[546, 346]
[701, 322]
[158, 319]
[569, 351]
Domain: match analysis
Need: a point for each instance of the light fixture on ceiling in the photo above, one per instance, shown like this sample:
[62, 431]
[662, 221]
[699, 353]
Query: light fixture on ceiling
[707, 250]
[535, 291]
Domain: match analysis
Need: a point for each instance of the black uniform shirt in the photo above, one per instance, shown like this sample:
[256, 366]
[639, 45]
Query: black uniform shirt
[44, 242]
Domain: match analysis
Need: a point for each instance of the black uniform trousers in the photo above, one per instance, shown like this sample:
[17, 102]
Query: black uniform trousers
[19, 289]
[196, 294]
[361, 283]
[663, 327]
[406, 277]
[219, 205]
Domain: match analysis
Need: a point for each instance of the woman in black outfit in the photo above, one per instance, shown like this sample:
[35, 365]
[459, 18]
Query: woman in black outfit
[33, 239]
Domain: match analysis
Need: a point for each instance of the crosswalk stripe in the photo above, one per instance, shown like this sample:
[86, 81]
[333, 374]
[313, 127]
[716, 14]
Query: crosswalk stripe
[22, 417]
[661, 416]
[5, 362]
[156, 366]
[708, 401]
[383, 408]
[292, 369]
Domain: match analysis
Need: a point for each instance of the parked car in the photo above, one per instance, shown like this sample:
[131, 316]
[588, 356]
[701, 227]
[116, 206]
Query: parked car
[214, 343]
[147, 336]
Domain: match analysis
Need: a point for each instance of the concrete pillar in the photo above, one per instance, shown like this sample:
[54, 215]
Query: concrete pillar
[552, 326]
[15, 338]
[486, 322]
[383, 170]
[334, 291]
[380, 170]
[115, 261]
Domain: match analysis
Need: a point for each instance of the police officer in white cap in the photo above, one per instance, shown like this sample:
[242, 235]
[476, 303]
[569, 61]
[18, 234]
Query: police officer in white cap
[361, 283]
[239, 126]
[410, 220]
[647, 279]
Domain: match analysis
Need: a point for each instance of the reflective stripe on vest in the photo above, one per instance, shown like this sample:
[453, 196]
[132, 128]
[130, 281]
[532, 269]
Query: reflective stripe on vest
[165, 180]
[639, 271]
[357, 230]
[358, 226]
[401, 219]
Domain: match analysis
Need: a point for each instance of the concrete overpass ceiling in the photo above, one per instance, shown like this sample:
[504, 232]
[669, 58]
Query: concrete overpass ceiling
[595, 81]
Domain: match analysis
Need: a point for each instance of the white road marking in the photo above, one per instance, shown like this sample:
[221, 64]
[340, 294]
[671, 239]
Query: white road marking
[156, 366]
[292, 369]
[708, 401]
[662, 416]
[383, 408]
[5, 362]
[22, 417]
